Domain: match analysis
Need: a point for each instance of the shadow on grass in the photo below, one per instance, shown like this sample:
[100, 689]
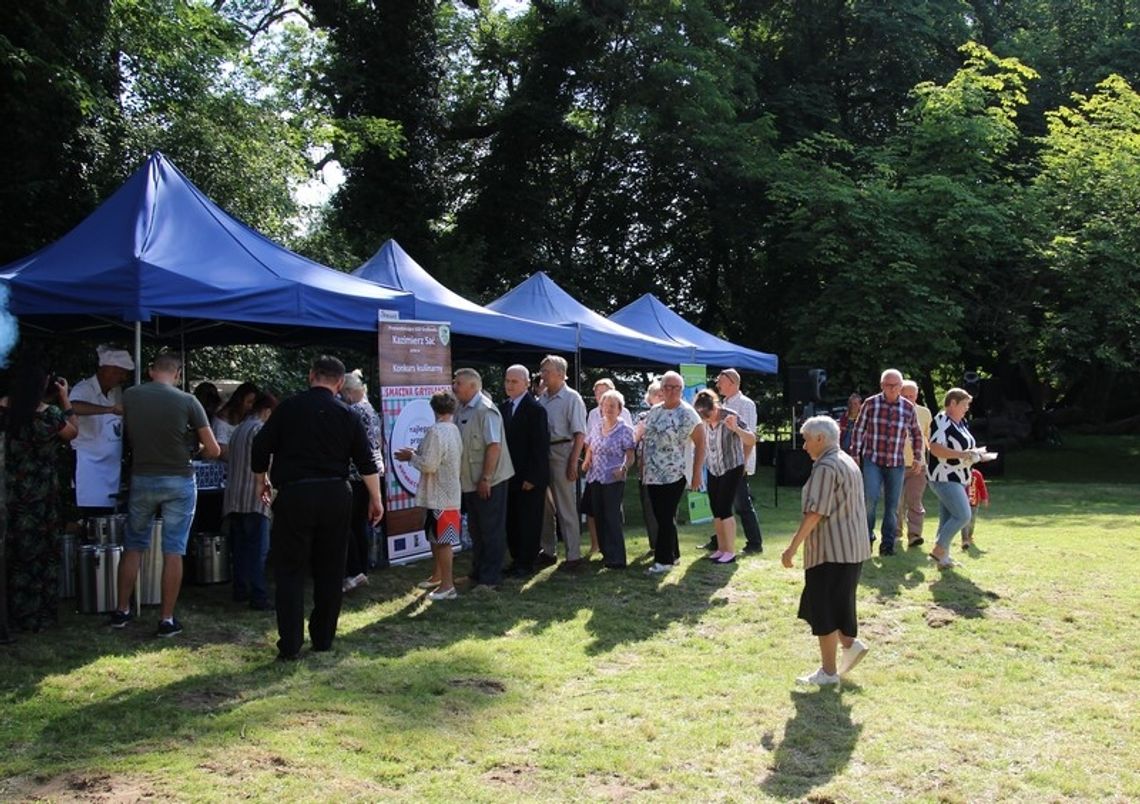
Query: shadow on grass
[819, 740]
[958, 593]
[890, 575]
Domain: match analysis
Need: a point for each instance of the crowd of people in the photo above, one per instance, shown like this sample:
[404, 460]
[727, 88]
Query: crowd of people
[303, 482]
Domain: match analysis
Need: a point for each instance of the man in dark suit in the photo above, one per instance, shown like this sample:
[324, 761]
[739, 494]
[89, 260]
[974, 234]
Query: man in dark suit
[528, 440]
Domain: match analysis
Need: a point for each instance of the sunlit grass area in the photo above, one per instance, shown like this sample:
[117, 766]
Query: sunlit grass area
[1011, 678]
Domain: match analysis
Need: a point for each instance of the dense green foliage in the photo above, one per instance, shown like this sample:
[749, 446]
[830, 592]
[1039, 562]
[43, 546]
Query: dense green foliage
[943, 186]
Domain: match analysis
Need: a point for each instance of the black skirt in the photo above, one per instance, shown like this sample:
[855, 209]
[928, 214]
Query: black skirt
[828, 600]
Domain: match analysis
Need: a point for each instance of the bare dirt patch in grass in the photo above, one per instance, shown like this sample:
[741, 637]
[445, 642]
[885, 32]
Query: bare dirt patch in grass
[522, 778]
[102, 787]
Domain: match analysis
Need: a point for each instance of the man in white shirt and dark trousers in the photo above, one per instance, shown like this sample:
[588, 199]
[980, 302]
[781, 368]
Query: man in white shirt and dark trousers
[728, 384]
[98, 405]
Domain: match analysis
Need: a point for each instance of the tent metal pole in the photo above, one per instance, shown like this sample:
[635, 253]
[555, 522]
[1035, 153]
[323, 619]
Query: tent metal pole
[138, 352]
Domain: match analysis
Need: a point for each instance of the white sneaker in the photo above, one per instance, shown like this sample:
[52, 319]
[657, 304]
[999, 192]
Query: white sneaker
[658, 569]
[443, 594]
[360, 580]
[819, 677]
[852, 656]
[428, 584]
[348, 585]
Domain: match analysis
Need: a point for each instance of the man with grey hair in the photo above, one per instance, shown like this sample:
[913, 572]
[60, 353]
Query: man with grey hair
[835, 547]
[528, 441]
[912, 514]
[885, 423]
[566, 420]
[728, 384]
[484, 469]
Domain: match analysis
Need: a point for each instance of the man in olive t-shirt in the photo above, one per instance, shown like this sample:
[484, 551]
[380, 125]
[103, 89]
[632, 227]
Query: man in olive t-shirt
[163, 427]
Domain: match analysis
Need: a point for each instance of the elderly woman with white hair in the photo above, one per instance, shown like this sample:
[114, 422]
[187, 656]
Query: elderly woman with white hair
[609, 454]
[355, 394]
[833, 532]
[666, 432]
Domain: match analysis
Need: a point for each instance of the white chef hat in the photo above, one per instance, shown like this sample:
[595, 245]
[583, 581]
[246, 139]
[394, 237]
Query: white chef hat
[113, 356]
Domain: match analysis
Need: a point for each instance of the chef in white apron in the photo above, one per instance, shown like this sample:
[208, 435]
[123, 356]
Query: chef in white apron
[98, 404]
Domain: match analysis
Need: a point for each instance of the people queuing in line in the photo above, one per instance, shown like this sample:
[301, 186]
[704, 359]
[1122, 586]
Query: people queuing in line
[211, 398]
[164, 427]
[247, 514]
[362, 533]
[232, 413]
[609, 454]
[303, 451]
[651, 398]
[666, 431]
[566, 419]
[37, 418]
[586, 507]
[725, 440]
[834, 539]
[98, 405]
[953, 451]
[437, 458]
[528, 441]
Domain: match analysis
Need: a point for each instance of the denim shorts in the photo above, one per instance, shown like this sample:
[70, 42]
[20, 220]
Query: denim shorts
[172, 497]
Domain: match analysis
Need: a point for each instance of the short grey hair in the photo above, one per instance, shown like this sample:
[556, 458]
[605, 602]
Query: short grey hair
[821, 425]
[470, 375]
[909, 384]
[654, 389]
[613, 394]
[556, 362]
[521, 370]
[354, 381]
[888, 373]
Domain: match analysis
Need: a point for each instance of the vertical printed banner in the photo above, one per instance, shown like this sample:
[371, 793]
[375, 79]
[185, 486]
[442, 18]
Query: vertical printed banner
[415, 362]
[695, 376]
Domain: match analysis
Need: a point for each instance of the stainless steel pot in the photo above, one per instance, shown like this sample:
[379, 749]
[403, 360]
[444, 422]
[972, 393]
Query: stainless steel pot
[210, 557]
[97, 577]
[150, 571]
[110, 529]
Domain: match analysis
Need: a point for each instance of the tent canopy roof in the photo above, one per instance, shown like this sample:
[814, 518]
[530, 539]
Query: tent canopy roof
[649, 315]
[158, 247]
[602, 341]
[392, 267]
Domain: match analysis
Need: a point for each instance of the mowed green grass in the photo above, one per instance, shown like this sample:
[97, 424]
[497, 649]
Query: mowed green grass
[1014, 678]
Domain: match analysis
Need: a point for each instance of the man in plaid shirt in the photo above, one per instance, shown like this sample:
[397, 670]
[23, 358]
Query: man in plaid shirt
[886, 421]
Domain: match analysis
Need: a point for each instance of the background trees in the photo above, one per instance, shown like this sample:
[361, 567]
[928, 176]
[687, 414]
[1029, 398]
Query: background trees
[849, 184]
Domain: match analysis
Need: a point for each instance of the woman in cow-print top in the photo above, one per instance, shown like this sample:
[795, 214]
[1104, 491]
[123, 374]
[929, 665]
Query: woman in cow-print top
[952, 452]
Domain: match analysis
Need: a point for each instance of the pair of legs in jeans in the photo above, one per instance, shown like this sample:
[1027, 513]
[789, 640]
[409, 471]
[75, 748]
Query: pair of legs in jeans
[885, 481]
[953, 515]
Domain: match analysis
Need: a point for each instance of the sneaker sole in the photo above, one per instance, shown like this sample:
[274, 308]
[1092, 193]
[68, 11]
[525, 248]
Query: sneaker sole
[168, 635]
[854, 663]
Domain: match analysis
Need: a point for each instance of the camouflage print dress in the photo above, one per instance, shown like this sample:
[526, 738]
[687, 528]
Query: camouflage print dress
[33, 520]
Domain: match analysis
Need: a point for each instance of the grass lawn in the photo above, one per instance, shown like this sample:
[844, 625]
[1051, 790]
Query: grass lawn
[1013, 678]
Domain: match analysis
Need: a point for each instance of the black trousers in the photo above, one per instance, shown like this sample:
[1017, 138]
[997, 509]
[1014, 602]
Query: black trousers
[487, 525]
[747, 511]
[606, 502]
[664, 500]
[309, 537]
[524, 523]
[359, 530]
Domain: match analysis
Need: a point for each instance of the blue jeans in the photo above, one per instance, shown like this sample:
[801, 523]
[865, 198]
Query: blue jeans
[888, 480]
[172, 497]
[249, 536]
[953, 509]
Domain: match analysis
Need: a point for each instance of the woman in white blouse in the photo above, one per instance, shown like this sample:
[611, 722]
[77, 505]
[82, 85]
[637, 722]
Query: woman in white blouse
[438, 493]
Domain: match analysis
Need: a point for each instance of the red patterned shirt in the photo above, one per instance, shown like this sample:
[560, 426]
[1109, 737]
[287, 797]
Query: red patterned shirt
[881, 430]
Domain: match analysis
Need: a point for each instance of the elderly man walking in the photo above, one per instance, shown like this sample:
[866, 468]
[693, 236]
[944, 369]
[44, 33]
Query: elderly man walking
[831, 533]
[885, 423]
[566, 418]
[912, 514]
[484, 469]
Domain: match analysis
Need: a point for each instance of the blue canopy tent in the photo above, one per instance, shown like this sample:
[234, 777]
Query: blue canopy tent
[600, 341]
[476, 329]
[159, 252]
[649, 315]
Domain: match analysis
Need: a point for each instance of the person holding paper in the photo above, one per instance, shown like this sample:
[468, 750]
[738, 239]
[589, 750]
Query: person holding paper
[952, 453]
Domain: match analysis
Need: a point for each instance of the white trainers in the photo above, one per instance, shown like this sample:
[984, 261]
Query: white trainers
[852, 656]
[819, 677]
[443, 594]
[658, 569]
[428, 584]
[354, 581]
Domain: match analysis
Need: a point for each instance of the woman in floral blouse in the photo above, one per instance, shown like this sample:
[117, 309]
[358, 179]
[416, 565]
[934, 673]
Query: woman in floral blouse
[609, 454]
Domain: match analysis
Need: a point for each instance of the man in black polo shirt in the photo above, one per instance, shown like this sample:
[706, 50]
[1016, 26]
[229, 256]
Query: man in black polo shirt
[311, 438]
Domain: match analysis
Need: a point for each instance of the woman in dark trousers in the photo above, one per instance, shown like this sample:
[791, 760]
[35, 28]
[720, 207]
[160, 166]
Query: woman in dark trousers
[609, 454]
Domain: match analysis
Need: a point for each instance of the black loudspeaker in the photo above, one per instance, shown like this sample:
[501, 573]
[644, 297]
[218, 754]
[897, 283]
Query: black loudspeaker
[792, 467]
[806, 384]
